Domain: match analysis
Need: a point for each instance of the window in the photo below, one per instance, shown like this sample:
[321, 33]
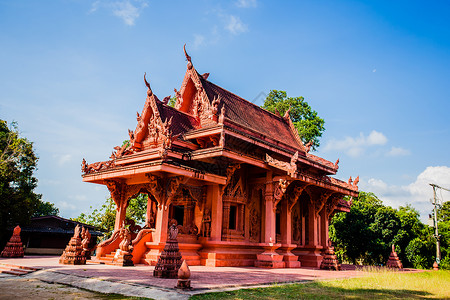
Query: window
[178, 214]
[233, 214]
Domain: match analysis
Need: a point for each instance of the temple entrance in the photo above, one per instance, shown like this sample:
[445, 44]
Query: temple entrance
[182, 211]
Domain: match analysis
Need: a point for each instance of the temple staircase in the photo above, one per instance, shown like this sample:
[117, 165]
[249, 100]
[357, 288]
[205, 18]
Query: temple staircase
[16, 270]
[108, 259]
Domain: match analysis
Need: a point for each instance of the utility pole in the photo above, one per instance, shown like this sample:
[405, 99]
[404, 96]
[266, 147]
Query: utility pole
[436, 232]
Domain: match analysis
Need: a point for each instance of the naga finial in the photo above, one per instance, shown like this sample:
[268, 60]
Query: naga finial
[286, 115]
[149, 91]
[188, 58]
[336, 164]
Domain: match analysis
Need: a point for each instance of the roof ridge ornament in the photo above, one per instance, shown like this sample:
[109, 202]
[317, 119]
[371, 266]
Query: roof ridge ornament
[188, 58]
[286, 115]
[149, 91]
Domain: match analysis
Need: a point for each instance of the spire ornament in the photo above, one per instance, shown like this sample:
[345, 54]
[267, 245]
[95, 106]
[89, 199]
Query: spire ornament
[149, 91]
[188, 58]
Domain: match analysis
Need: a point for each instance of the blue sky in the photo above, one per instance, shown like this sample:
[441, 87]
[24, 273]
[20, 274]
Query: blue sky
[377, 71]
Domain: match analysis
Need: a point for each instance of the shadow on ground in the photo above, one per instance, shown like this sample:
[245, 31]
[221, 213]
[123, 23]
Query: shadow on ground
[314, 290]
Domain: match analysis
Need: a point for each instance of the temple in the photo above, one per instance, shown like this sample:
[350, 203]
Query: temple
[237, 181]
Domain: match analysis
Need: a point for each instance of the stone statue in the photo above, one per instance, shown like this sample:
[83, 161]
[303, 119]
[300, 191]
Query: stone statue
[206, 223]
[173, 232]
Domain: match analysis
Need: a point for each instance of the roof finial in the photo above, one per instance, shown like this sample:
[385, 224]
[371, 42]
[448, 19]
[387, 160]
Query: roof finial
[286, 115]
[188, 58]
[149, 91]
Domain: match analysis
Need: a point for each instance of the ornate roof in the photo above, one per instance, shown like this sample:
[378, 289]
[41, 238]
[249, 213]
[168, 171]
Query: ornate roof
[209, 122]
[251, 116]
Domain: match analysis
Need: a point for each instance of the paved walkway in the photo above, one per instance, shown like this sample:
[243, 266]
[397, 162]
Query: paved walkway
[139, 281]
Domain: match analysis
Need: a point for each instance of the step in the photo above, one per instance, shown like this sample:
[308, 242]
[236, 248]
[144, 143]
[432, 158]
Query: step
[19, 267]
[14, 271]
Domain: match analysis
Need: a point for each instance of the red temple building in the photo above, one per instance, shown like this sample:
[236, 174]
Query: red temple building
[236, 179]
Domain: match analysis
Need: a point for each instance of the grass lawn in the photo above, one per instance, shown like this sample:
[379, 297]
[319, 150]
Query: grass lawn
[377, 285]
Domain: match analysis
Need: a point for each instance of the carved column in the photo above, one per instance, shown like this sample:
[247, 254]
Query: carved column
[116, 190]
[162, 222]
[225, 219]
[269, 258]
[216, 212]
[270, 235]
[149, 210]
[286, 223]
[324, 228]
[121, 214]
[312, 228]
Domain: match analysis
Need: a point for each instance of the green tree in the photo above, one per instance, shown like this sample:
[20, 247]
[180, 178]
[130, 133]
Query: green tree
[444, 212]
[105, 216]
[308, 124]
[46, 209]
[352, 232]
[172, 101]
[18, 201]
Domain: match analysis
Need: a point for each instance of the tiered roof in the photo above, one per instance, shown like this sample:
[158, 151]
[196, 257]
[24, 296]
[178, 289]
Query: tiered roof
[204, 115]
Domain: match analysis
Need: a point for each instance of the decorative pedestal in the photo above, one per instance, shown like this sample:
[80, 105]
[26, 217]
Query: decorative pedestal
[290, 260]
[269, 258]
[86, 236]
[14, 247]
[123, 256]
[72, 255]
[394, 261]
[330, 261]
[184, 273]
[123, 259]
[170, 259]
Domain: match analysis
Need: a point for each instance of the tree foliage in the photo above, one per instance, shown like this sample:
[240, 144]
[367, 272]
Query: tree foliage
[18, 201]
[308, 124]
[367, 232]
[105, 216]
[46, 209]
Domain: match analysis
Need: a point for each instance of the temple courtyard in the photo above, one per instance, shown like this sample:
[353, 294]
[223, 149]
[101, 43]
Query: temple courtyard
[138, 281]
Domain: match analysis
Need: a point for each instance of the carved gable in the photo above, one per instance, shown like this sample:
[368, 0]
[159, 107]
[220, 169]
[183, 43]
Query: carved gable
[152, 131]
[193, 99]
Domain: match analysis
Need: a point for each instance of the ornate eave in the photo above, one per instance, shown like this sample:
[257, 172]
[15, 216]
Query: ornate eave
[127, 172]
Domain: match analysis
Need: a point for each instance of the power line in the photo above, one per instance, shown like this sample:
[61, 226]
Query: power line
[436, 232]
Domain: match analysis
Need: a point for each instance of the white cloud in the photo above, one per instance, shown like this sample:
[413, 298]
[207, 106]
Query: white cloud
[246, 3]
[398, 151]
[356, 146]
[65, 205]
[78, 197]
[94, 6]
[127, 10]
[376, 138]
[63, 159]
[235, 25]
[417, 193]
[199, 40]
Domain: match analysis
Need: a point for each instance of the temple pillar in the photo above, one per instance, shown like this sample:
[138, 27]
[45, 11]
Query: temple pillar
[162, 220]
[216, 212]
[324, 228]
[149, 210]
[270, 235]
[286, 223]
[290, 260]
[312, 225]
[121, 214]
[269, 258]
[311, 256]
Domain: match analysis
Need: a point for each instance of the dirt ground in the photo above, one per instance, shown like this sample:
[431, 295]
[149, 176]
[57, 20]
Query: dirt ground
[12, 287]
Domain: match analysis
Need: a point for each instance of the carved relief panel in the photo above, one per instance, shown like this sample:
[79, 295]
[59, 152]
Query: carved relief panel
[234, 202]
[254, 207]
